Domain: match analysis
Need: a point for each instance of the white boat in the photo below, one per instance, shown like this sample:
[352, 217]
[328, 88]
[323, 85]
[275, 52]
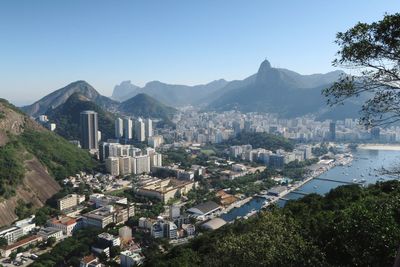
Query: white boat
[354, 180]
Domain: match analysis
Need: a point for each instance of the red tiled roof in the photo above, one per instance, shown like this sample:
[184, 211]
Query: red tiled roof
[88, 259]
[22, 242]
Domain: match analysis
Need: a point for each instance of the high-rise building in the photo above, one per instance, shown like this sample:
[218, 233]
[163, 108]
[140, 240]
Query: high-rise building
[139, 130]
[125, 165]
[119, 128]
[112, 165]
[127, 128]
[155, 141]
[89, 130]
[332, 131]
[156, 160]
[148, 128]
[142, 164]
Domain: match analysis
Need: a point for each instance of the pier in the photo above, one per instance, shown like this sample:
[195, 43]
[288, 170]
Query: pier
[336, 181]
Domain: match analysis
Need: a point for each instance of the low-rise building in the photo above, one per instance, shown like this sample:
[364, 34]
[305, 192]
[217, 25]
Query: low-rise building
[130, 258]
[109, 239]
[166, 189]
[11, 234]
[69, 201]
[103, 216]
[67, 225]
[90, 261]
[204, 209]
[213, 224]
[6, 251]
[101, 200]
[47, 232]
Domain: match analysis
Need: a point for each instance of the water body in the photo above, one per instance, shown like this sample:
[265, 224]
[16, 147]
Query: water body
[366, 165]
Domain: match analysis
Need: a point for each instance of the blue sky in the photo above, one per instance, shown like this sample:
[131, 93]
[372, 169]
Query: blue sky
[45, 45]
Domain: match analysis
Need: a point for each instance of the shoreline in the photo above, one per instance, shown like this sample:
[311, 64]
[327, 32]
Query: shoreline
[391, 147]
[272, 200]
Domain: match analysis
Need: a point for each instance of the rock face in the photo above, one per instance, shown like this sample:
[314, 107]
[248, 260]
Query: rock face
[60, 96]
[37, 184]
[37, 187]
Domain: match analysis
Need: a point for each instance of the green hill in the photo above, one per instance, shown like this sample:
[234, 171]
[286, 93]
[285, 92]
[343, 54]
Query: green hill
[67, 117]
[60, 96]
[31, 160]
[143, 105]
[350, 226]
[261, 140]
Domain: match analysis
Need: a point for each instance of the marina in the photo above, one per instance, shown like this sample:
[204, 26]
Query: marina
[363, 169]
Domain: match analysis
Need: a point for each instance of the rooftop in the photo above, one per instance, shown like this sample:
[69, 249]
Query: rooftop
[214, 224]
[65, 220]
[206, 207]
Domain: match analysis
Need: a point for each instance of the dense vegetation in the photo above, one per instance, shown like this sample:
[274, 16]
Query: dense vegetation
[67, 117]
[350, 226]
[261, 140]
[11, 169]
[61, 158]
[70, 251]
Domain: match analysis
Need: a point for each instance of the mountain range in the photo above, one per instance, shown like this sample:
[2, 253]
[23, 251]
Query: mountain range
[80, 95]
[170, 94]
[274, 90]
[278, 91]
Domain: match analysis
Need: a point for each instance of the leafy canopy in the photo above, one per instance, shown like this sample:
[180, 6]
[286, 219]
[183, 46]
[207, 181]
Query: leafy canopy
[373, 51]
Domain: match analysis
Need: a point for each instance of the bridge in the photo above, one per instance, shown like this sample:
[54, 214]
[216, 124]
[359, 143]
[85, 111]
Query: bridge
[336, 181]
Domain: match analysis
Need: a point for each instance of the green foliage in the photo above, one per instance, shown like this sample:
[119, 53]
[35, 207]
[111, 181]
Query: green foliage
[62, 158]
[350, 226]
[296, 169]
[261, 140]
[69, 251]
[67, 117]
[320, 150]
[44, 213]
[372, 49]
[10, 106]
[51, 241]
[12, 170]
[23, 209]
[3, 242]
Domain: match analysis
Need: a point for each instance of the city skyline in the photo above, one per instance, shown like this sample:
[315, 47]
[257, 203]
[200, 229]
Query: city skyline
[174, 43]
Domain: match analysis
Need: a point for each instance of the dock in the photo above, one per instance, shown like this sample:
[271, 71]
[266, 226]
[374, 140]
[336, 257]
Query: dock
[336, 181]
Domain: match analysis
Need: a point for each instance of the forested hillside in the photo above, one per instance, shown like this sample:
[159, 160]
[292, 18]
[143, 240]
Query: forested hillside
[350, 226]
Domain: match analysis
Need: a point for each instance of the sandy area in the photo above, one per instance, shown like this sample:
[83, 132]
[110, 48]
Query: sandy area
[380, 147]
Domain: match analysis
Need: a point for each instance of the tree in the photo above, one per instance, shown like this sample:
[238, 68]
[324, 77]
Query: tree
[3, 242]
[373, 52]
[13, 255]
[51, 241]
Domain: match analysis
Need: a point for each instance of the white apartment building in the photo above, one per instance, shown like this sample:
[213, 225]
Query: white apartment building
[112, 165]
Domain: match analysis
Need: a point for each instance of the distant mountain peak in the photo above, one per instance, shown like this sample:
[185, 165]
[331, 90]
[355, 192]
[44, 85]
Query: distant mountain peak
[61, 95]
[265, 65]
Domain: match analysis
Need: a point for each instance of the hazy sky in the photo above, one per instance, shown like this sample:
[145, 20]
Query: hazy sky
[44, 45]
